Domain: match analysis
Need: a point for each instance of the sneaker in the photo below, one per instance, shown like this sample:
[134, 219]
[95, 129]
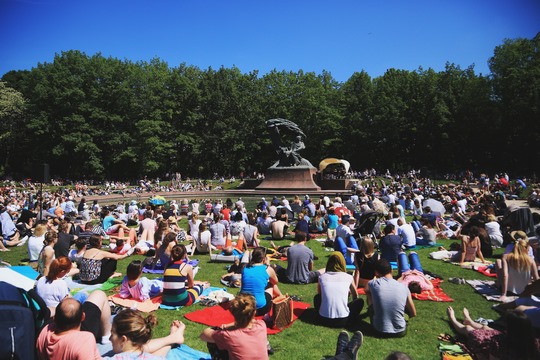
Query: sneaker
[456, 281]
[342, 341]
[269, 348]
[354, 345]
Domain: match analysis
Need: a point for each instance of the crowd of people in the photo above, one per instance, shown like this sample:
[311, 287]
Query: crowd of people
[375, 229]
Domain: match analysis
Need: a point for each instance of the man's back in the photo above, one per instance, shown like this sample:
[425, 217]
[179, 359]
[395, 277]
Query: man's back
[69, 345]
[299, 258]
[390, 246]
[389, 300]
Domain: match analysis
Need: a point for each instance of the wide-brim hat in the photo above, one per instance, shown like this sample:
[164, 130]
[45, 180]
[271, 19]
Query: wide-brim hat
[519, 235]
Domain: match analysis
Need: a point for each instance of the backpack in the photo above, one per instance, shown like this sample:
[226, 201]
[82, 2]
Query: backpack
[22, 316]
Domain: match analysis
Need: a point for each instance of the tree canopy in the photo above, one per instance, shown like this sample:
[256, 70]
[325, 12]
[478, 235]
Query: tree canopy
[96, 117]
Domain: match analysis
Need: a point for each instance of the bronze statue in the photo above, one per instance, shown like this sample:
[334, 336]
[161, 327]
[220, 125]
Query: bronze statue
[283, 131]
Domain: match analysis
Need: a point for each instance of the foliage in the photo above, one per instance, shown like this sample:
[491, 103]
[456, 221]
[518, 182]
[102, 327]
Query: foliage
[96, 117]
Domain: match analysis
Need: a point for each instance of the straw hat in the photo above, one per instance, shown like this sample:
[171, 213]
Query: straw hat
[518, 235]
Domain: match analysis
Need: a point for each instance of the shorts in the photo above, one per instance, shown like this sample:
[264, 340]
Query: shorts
[92, 320]
[112, 229]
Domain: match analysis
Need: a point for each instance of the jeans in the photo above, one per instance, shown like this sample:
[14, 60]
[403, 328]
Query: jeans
[424, 242]
[412, 263]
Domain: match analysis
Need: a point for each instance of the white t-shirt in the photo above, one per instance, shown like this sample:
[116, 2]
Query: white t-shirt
[406, 231]
[203, 242]
[35, 244]
[335, 294]
[52, 292]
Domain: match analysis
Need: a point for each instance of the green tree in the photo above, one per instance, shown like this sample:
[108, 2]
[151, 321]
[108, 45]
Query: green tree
[12, 112]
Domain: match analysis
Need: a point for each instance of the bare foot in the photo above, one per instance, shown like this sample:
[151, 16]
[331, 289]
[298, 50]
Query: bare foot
[451, 314]
[177, 332]
[273, 245]
[467, 317]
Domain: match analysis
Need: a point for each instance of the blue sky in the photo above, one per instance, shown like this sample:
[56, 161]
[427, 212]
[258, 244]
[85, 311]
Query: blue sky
[341, 37]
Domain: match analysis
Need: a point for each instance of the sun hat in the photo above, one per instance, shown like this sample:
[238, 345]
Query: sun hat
[519, 235]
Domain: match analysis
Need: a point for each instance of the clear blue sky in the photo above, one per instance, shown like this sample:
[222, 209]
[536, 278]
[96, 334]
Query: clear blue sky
[338, 36]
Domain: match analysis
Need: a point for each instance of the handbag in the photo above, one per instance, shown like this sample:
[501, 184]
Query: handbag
[282, 311]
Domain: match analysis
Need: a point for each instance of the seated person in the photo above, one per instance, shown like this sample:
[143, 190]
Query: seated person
[412, 274]
[364, 262]
[233, 277]
[179, 288]
[332, 299]
[97, 266]
[75, 255]
[138, 287]
[279, 229]
[300, 263]
[426, 235]
[390, 244]
[243, 339]
[388, 302]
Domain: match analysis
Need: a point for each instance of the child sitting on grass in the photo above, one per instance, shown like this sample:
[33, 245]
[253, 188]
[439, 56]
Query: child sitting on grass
[137, 287]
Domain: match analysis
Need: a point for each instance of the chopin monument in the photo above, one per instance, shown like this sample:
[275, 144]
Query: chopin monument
[291, 171]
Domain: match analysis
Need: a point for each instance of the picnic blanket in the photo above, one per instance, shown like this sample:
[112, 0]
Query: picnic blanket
[75, 286]
[144, 306]
[184, 352]
[17, 276]
[220, 314]
[486, 270]
[437, 294]
[489, 290]
[204, 294]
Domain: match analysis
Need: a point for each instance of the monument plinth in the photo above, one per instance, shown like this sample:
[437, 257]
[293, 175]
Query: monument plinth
[291, 171]
[299, 178]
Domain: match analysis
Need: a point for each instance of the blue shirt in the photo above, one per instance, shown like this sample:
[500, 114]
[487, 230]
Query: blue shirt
[254, 281]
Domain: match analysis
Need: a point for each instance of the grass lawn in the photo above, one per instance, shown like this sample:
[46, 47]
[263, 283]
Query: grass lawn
[306, 340]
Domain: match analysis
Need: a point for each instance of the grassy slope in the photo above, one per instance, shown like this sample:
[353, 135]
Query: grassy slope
[306, 340]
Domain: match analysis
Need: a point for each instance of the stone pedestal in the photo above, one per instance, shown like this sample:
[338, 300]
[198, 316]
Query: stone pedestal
[298, 178]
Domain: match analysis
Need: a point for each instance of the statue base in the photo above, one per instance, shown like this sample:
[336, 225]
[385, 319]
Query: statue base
[294, 178]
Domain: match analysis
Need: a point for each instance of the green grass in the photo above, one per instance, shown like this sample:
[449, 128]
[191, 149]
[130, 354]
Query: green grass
[306, 340]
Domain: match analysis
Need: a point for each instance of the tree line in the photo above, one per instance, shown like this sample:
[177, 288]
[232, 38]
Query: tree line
[102, 117]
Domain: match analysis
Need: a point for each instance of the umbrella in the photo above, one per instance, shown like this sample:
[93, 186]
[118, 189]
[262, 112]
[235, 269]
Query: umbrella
[157, 200]
[435, 205]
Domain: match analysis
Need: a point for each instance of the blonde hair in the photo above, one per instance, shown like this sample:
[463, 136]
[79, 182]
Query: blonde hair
[243, 309]
[40, 229]
[519, 257]
[367, 246]
[133, 325]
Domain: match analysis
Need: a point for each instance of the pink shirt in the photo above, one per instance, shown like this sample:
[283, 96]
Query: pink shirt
[244, 344]
[70, 345]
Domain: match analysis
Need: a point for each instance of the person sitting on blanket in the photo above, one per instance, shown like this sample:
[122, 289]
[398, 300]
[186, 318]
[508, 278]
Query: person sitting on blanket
[412, 273]
[97, 266]
[245, 338]
[516, 270]
[179, 288]
[138, 287]
[518, 342]
[260, 280]
[388, 302]
[75, 255]
[163, 254]
[471, 246]
[332, 298]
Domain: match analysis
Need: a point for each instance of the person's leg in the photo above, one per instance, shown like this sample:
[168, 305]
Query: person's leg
[351, 242]
[108, 270]
[403, 263]
[460, 328]
[99, 299]
[317, 300]
[339, 245]
[468, 321]
[355, 307]
[414, 260]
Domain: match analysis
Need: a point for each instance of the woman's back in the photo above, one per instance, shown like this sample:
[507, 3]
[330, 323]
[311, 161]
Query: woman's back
[254, 282]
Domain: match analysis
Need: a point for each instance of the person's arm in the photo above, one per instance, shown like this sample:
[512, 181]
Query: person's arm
[255, 237]
[410, 309]
[352, 289]
[534, 271]
[504, 280]
[189, 271]
[356, 272]
[124, 289]
[273, 276]
[479, 249]
[176, 336]
[109, 255]
[207, 335]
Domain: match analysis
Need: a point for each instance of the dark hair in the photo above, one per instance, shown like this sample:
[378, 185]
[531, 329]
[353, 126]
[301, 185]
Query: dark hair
[521, 335]
[388, 228]
[134, 270]
[95, 241]
[414, 287]
[397, 355]
[300, 236]
[80, 243]
[382, 266]
[257, 255]
[178, 252]
[238, 216]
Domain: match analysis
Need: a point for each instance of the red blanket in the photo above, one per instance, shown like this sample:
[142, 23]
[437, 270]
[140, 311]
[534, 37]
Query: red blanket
[484, 270]
[220, 314]
[437, 294]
